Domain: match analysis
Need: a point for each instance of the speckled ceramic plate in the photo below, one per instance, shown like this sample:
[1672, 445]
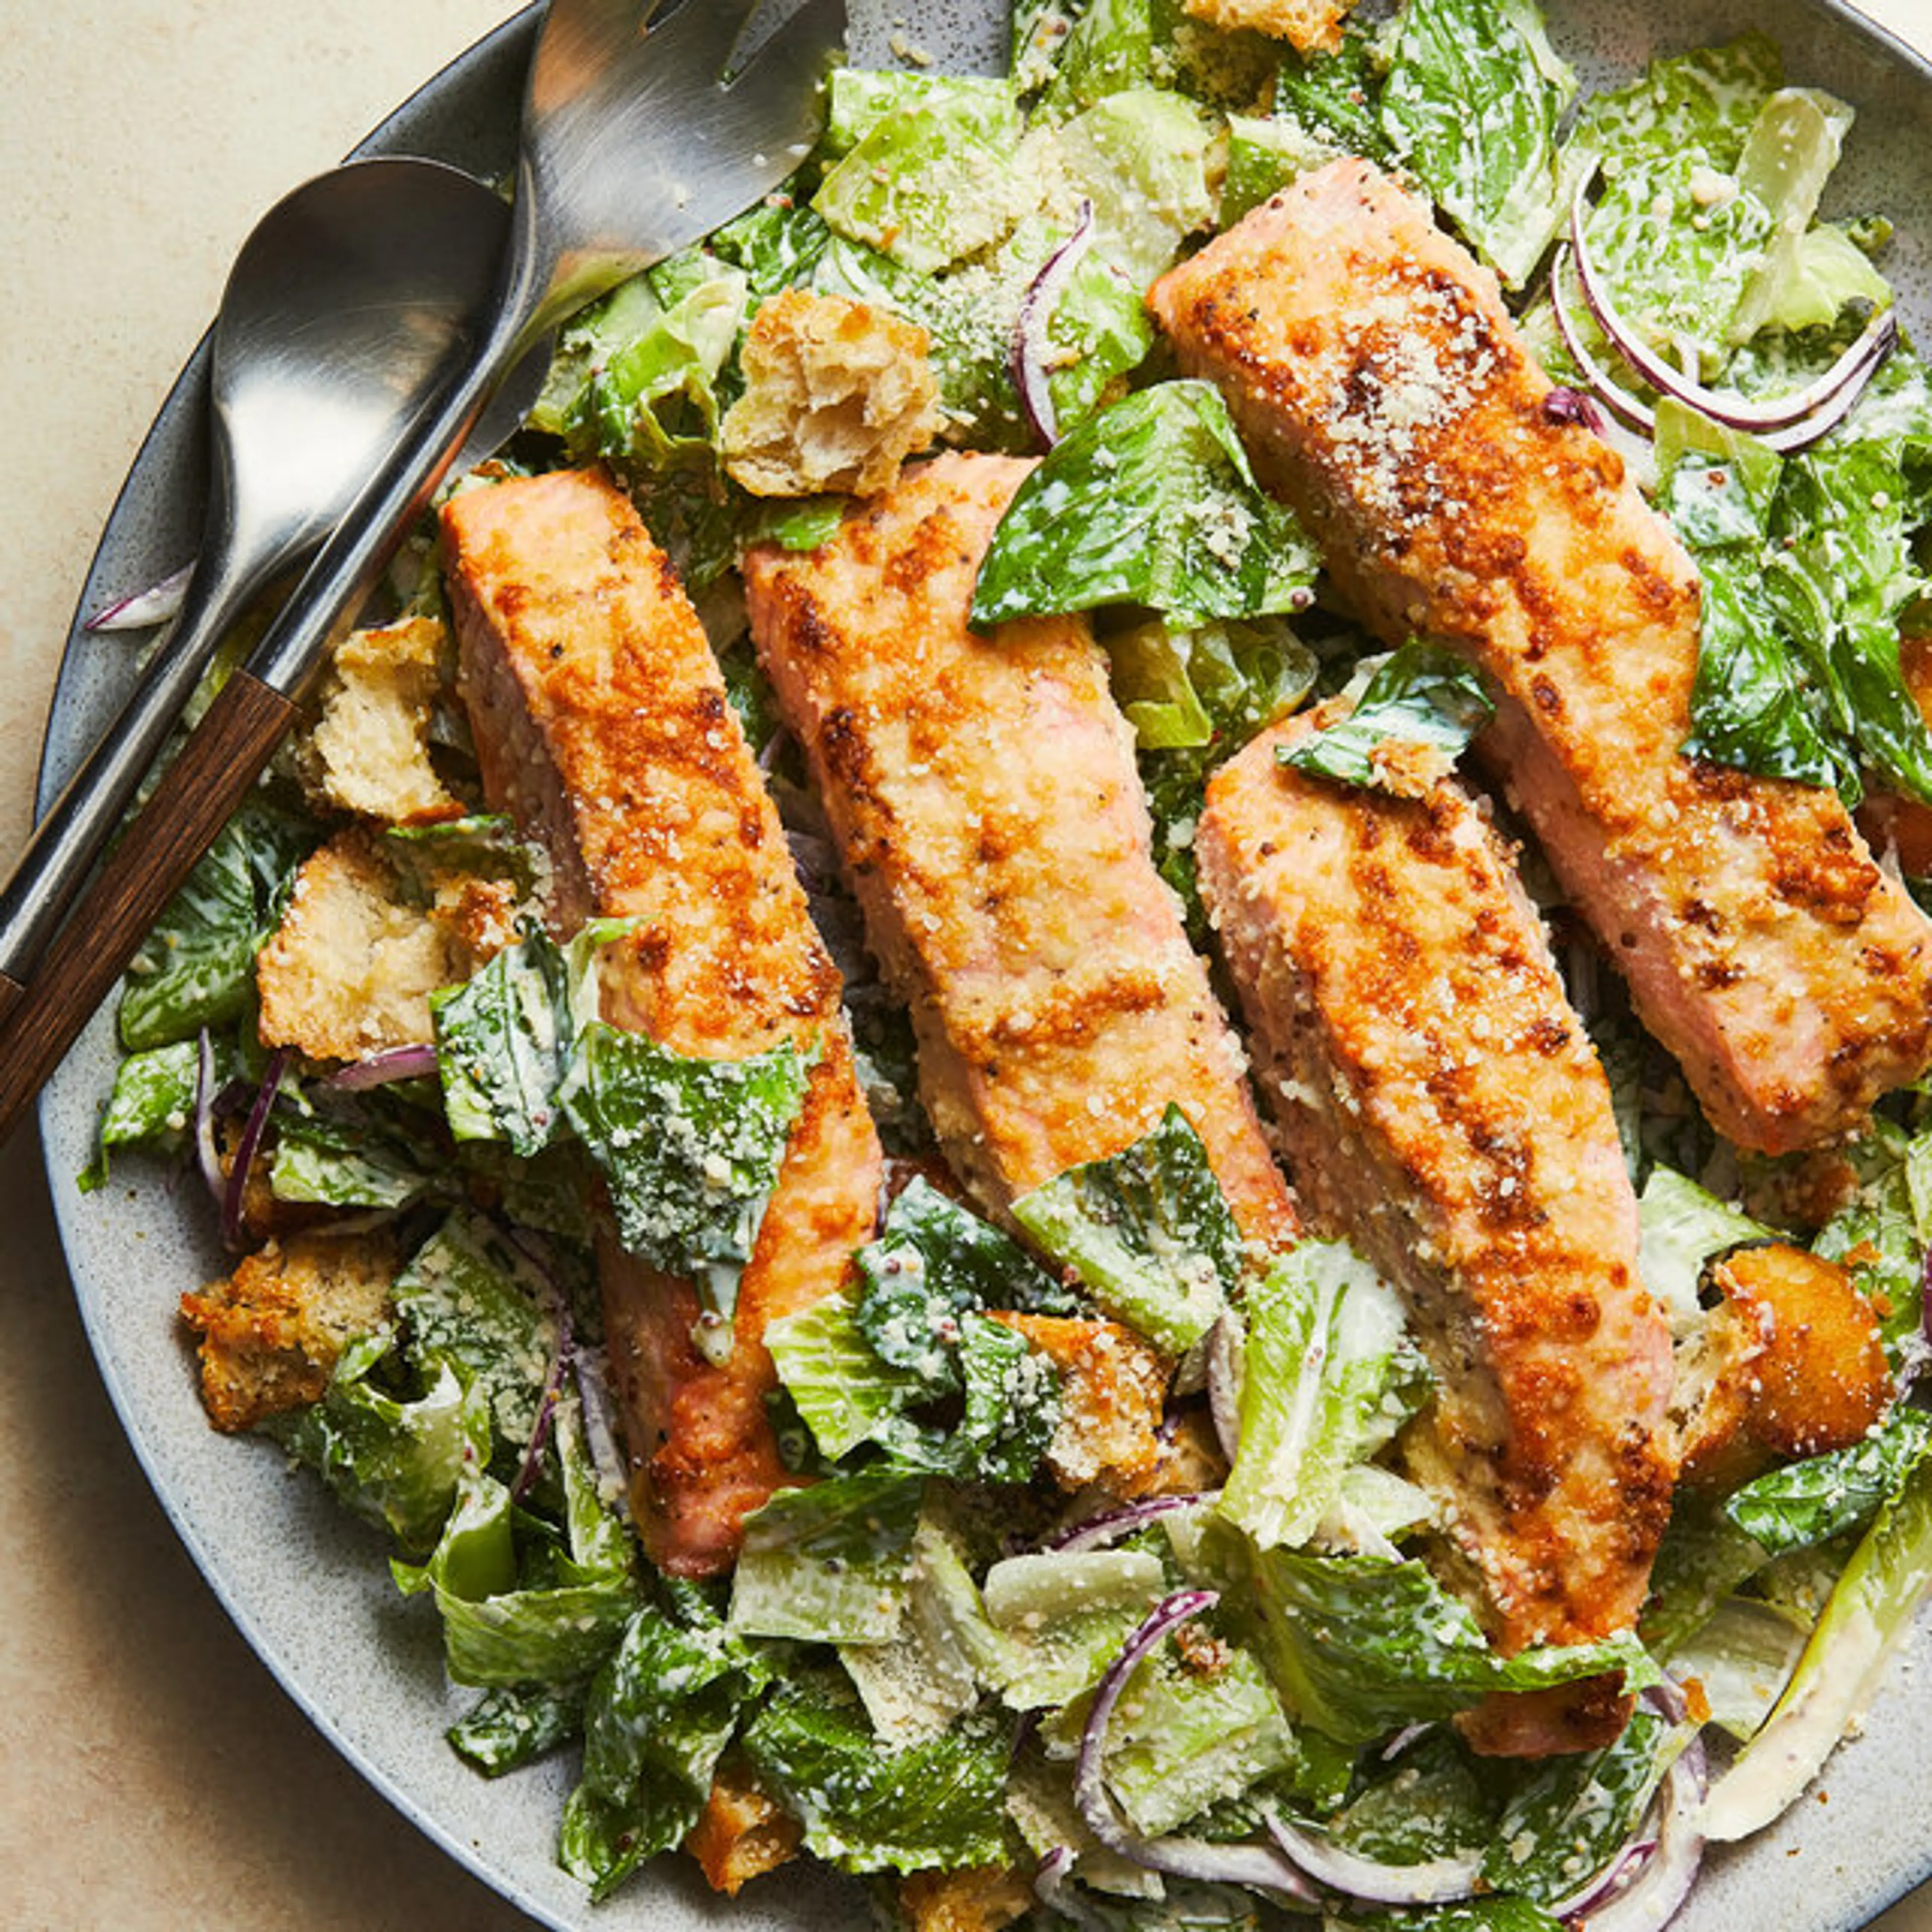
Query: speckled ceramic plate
[307, 1585]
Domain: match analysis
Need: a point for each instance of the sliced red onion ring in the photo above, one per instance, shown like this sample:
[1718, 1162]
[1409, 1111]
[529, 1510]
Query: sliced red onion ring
[1258, 1866]
[235, 1191]
[1434, 1882]
[1803, 415]
[1099, 1532]
[1053, 1886]
[1032, 345]
[392, 1063]
[1618, 401]
[1563, 404]
[145, 608]
[206, 1151]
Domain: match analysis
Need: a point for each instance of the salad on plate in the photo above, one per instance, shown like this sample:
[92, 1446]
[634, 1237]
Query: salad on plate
[1088, 1064]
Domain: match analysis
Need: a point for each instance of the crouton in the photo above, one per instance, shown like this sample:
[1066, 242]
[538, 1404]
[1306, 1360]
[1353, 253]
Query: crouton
[368, 749]
[1113, 1386]
[837, 396]
[1308, 26]
[350, 969]
[1790, 1364]
[741, 1833]
[980, 1898]
[272, 1333]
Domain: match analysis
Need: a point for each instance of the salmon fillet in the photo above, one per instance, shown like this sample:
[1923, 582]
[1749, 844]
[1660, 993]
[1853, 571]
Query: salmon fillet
[602, 723]
[1441, 1108]
[984, 794]
[1386, 394]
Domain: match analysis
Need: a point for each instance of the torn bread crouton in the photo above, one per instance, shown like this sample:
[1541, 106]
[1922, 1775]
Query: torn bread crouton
[977, 1898]
[368, 749]
[1113, 1386]
[837, 395]
[351, 968]
[742, 1832]
[272, 1333]
[1308, 26]
[1789, 1363]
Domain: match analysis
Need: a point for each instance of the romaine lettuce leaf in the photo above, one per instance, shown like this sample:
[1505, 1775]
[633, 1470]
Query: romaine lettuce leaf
[845, 1393]
[860, 98]
[1470, 105]
[691, 1149]
[778, 243]
[831, 1563]
[472, 1300]
[1141, 157]
[1868, 1615]
[1358, 1646]
[1743, 1656]
[1422, 694]
[934, 1805]
[1681, 1227]
[151, 1105]
[1148, 1231]
[507, 1728]
[1802, 1504]
[1184, 1739]
[393, 1459]
[196, 966]
[1882, 1235]
[344, 1159]
[1571, 1815]
[1421, 1801]
[660, 1712]
[1332, 98]
[934, 1264]
[1327, 1375]
[1151, 502]
[1064, 1616]
[1706, 100]
[526, 1609]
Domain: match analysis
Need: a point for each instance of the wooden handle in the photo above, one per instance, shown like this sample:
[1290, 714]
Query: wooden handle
[10, 991]
[209, 777]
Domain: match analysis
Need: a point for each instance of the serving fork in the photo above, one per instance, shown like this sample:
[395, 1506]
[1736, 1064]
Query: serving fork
[645, 126]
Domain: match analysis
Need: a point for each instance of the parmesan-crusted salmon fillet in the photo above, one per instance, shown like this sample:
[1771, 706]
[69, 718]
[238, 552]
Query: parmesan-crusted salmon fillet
[983, 792]
[1441, 1108]
[1384, 390]
[601, 723]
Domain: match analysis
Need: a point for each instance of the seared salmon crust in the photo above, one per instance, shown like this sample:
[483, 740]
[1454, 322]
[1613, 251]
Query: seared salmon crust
[602, 724]
[984, 794]
[1385, 391]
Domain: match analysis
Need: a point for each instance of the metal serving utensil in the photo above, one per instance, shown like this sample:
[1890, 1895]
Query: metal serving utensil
[639, 136]
[346, 313]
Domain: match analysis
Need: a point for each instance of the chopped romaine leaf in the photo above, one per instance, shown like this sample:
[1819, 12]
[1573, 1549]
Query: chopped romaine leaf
[1807, 1503]
[691, 1148]
[862, 97]
[1470, 105]
[1422, 694]
[1140, 157]
[1743, 1656]
[1682, 1227]
[1152, 503]
[506, 1729]
[830, 1564]
[845, 1393]
[151, 1105]
[934, 1805]
[1327, 1377]
[1148, 1232]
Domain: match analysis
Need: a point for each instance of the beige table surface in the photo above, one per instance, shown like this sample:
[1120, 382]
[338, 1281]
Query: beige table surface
[152, 1775]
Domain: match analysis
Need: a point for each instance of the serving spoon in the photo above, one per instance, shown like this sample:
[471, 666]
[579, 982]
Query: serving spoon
[644, 127]
[346, 315]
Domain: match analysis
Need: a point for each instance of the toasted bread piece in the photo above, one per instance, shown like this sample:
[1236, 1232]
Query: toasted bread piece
[273, 1332]
[368, 751]
[1308, 26]
[837, 395]
[1113, 1390]
[742, 1833]
[980, 1898]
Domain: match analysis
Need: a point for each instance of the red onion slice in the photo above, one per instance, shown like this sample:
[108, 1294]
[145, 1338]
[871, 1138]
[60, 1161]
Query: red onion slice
[601, 1437]
[1620, 404]
[1053, 1886]
[145, 608]
[1258, 1866]
[235, 1192]
[379, 1069]
[1787, 422]
[553, 1389]
[1099, 1532]
[206, 1153]
[1032, 345]
[1434, 1881]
